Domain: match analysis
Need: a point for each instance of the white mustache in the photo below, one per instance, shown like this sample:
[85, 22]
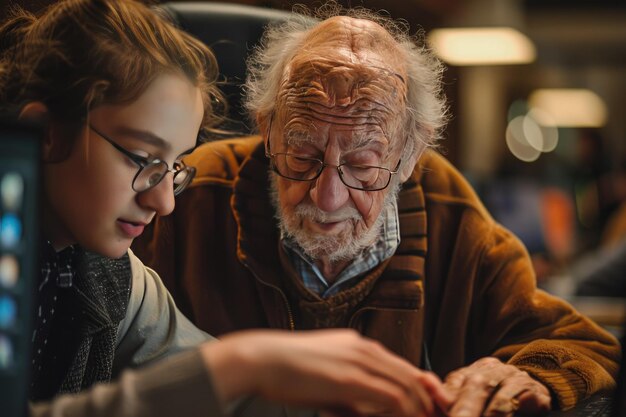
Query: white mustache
[321, 216]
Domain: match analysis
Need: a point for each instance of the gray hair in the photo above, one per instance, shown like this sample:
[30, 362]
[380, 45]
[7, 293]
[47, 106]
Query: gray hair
[426, 112]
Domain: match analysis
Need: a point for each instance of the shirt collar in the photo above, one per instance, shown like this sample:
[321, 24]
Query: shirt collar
[63, 261]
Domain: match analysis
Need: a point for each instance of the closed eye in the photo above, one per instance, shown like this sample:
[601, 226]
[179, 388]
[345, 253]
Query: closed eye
[363, 158]
[301, 163]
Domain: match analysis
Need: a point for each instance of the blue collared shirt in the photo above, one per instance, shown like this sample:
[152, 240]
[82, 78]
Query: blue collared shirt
[383, 248]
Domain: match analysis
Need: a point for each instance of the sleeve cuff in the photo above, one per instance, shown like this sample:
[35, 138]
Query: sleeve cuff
[180, 385]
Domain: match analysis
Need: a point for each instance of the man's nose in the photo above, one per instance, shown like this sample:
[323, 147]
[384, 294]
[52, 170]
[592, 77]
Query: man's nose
[159, 198]
[328, 192]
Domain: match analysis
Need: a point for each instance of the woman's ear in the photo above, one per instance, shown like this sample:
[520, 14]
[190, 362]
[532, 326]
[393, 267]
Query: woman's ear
[38, 113]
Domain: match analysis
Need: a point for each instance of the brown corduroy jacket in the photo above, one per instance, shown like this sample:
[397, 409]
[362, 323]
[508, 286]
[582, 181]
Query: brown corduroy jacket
[459, 283]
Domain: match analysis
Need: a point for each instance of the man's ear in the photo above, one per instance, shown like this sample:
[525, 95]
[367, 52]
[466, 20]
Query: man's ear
[409, 162]
[37, 112]
[408, 165]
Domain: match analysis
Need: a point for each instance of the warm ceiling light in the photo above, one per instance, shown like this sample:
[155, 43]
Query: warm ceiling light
[482, 46]
[570, 107]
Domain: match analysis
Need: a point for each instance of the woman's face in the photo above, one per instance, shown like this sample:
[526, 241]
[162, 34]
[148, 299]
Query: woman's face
[90, 198]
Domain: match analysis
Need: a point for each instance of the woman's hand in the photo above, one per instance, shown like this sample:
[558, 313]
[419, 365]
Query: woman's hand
[330, 370]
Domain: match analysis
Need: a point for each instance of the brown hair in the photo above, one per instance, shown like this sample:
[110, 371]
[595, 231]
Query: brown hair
[78, 54]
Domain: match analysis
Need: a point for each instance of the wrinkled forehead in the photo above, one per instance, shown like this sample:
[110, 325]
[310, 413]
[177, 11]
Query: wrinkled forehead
[347, 71]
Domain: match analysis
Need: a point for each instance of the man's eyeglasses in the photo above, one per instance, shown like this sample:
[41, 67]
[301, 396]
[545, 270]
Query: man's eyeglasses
[302, 168]
[152, 170]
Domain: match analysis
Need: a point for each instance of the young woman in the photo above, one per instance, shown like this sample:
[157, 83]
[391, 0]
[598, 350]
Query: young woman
[122, 95]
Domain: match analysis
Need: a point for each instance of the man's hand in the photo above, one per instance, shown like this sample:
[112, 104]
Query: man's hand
[491, 388]
[334, 370]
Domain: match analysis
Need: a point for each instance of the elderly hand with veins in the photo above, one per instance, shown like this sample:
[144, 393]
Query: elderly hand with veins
[489, 387]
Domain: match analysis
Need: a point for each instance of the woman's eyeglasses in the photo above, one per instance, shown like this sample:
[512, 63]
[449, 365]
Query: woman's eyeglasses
[152, 171]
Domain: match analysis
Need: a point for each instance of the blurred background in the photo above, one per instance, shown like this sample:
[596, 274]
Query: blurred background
[536, 91]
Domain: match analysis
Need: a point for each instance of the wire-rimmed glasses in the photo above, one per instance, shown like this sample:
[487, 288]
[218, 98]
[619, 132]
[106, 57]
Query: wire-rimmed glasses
[303, 168]
[152, 170]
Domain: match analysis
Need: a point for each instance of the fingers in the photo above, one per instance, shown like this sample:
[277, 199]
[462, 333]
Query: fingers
[522, 393]
[380, 363]
[491, 388]
[367, 394]
[437, 391]
[505, 401]
[491, 371]
[331, 370]
[535, 401]
[383, 364]
[472, 395]
[454, 382]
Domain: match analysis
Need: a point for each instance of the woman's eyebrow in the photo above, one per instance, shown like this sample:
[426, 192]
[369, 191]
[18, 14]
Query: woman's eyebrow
[145, 137]
[151, 139]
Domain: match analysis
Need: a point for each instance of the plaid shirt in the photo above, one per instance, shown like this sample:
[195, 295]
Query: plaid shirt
[57, 271]
[383, 248]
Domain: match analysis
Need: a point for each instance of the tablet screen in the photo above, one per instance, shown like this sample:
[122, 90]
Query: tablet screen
[19, 184]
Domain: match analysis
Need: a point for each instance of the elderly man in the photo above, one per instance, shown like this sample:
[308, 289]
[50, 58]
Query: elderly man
[338, 217]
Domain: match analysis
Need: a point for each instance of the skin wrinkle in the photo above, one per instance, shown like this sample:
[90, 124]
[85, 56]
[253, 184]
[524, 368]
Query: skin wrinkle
[316, 84]
[344, 90]
[361, 105]
[373, 143]
[363, 109]
[366, 119]
[374, 117]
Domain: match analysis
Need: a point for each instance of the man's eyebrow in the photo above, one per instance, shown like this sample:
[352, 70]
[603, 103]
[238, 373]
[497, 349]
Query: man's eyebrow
[363, 140]
[298, 137]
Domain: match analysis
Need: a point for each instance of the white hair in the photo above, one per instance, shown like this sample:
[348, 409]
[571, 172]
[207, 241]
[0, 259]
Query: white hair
[426, 112]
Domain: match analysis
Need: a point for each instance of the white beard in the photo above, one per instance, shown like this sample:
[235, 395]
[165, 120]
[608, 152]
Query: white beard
[345, 245]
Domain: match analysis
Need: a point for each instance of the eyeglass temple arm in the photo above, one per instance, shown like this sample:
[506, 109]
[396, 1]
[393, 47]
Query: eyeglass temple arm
[395, 170]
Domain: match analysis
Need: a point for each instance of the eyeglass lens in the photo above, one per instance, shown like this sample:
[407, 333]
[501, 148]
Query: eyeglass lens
[306, 169]
[154, 172]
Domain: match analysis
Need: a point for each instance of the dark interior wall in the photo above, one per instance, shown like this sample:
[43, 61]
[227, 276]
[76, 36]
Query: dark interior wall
[421, 16]
[554, 50]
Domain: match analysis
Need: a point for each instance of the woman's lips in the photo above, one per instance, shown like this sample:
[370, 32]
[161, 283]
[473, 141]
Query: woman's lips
[130, 229]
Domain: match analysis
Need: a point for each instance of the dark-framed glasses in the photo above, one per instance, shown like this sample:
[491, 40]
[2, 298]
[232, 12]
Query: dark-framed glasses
[152, 170]
[303, 168]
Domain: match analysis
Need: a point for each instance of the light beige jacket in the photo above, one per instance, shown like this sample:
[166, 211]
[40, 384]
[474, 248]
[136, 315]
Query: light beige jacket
[161, 371]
